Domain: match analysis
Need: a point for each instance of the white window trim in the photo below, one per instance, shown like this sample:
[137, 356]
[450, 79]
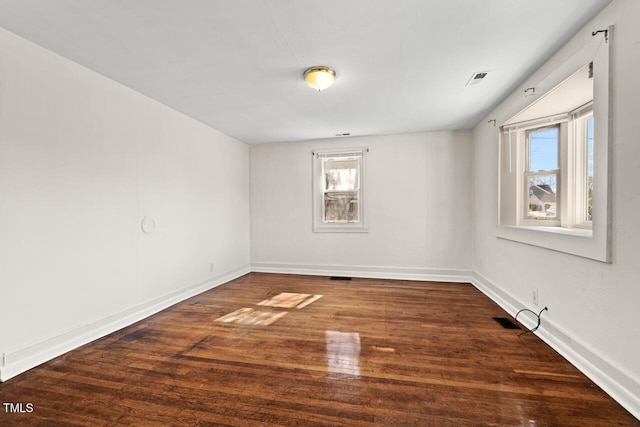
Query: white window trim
[591, 243]
[319, 226]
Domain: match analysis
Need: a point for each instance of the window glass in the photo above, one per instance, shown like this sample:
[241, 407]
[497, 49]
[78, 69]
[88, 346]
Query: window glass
[543, 149]
[341, 175]
[341, 207]
[589, 189]
[542, 197]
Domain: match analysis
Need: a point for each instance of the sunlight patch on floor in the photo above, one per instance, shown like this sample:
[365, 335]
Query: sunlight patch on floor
[290, 300]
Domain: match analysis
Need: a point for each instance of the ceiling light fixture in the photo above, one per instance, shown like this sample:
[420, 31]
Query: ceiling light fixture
[319, 77]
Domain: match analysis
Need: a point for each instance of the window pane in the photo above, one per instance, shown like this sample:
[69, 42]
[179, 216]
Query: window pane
[341, 175]
[341, 207]
[543, 150]
[589, 182]
[542, 197]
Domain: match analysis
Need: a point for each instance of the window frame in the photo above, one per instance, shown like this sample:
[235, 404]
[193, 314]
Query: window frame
[570, 175]
[548, 222]
[319, 157]
[581, 118]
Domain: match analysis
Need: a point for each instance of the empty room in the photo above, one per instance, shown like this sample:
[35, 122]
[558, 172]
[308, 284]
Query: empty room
[338, 213]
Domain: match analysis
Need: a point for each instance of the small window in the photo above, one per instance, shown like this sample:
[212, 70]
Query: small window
[338, 196]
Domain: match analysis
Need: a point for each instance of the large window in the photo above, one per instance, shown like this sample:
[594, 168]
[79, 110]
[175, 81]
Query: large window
[554, 158]
[555, 165]
[338, 190]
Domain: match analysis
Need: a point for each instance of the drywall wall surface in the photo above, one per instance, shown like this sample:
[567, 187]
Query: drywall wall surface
[83, 160]
[417, 208]
[593, 306]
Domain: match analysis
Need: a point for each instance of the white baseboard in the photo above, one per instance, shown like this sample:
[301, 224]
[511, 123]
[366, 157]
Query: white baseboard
[622, 386]
[21, 360]
[366, 271]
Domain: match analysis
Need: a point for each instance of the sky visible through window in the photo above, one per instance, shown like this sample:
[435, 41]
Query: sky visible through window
[590, 147]
[543, 150]
[589, 201]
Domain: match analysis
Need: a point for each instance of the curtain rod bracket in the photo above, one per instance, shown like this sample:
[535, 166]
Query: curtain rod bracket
[606, 34]
[492, 121]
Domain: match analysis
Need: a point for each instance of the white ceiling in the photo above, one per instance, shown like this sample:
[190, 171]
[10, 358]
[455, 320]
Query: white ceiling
[237, 65]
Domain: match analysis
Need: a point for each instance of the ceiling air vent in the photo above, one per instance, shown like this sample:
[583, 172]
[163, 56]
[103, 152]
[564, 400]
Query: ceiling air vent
[477, 78]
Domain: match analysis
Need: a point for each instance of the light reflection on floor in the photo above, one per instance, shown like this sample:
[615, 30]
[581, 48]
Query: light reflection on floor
[343, 354]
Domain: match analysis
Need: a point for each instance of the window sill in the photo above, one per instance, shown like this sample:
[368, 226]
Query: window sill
[340, 228]
[574, 241]
[580, 232]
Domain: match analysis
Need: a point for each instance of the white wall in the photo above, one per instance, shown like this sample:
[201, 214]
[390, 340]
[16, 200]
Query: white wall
[593, 312]
[417, 207]
[82, 160]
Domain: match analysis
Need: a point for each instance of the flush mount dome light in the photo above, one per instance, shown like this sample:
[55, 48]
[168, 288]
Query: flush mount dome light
[319, 77]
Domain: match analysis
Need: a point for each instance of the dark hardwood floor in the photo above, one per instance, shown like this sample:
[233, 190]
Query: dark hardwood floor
[367, 352]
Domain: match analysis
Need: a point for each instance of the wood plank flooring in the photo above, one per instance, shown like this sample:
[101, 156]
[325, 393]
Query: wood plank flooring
[366, 352]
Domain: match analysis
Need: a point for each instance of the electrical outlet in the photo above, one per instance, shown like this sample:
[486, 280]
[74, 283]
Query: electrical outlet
[534, 296]
[211, 267]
